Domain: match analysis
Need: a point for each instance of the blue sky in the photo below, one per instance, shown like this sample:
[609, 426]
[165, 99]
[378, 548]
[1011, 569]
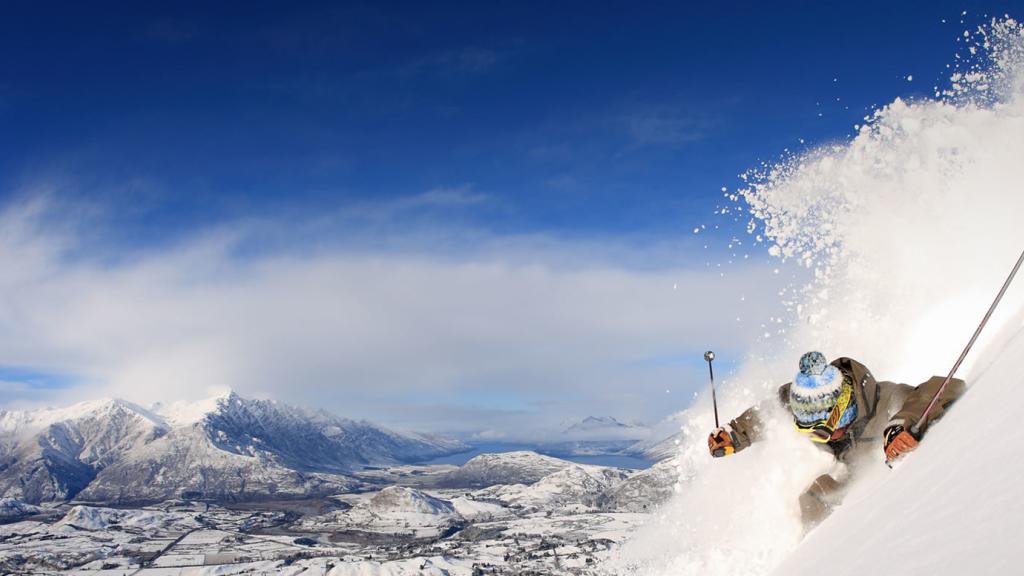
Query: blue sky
[574, 118]
[213, 142]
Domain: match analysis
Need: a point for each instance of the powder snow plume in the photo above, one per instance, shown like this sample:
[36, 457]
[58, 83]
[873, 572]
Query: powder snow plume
[907, 231]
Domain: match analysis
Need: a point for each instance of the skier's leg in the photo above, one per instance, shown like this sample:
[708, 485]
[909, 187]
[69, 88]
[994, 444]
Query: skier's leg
[817, 501]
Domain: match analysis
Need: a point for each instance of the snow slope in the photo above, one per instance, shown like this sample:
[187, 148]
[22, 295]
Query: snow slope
[897, 241]
[952, 507]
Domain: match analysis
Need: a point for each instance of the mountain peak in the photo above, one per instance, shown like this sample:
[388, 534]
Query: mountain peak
[183, 413]
[598, 422]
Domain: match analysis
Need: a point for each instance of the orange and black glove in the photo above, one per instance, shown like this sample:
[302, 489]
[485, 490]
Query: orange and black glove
[720, 443]
[898, 441]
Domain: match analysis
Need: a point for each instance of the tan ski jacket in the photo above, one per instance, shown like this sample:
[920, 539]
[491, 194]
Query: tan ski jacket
[879, 405]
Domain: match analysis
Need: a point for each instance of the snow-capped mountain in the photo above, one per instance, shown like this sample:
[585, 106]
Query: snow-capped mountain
[52, 454]
[230, 447]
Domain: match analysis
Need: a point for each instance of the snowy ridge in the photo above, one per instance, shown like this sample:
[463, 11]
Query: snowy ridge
[90, 518]
[23, 422]
[581, 488]
[520, 467]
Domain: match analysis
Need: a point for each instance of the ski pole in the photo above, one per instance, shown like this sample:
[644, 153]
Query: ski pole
[709, 356]
[916, 428]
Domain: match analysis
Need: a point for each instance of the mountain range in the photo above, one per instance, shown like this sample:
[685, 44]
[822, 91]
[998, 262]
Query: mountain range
[227, 447]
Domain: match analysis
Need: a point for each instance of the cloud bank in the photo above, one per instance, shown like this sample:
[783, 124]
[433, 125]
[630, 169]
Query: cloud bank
[501, 335]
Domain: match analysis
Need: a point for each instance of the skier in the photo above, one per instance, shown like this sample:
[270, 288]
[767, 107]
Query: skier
[839, 406]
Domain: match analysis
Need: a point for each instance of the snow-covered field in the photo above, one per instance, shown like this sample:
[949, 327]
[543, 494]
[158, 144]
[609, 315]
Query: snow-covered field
[560, 518]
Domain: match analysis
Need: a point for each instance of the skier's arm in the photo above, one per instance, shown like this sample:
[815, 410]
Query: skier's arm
[743, 430]
[746, 428]
[917, 400]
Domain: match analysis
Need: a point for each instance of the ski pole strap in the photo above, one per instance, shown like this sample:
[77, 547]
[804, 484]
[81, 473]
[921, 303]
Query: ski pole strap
[916, 428]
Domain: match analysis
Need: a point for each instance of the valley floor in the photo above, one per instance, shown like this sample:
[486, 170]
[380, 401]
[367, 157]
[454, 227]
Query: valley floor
[311, 537]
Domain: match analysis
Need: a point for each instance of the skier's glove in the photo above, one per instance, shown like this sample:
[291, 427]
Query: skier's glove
[898, 440]
[720, 443]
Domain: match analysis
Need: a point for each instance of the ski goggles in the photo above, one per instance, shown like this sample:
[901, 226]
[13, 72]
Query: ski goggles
[825, 430]
[820, 432]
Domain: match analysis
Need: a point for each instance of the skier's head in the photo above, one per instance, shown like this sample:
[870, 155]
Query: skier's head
[821, 398]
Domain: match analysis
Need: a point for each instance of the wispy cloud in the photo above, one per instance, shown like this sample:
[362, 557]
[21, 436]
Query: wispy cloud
[440, 204]
[444, 197]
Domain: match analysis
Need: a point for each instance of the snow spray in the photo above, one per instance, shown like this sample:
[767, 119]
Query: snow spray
[873, 225]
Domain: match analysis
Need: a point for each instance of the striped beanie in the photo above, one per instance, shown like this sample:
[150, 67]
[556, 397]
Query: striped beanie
[815, 390]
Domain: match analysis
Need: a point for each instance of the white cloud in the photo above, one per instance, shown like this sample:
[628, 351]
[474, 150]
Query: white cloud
[449, 200]
[508, 332]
